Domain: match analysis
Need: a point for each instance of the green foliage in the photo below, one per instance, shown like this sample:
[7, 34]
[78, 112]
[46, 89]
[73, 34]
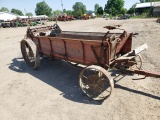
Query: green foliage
[64, 10]
[114, 7]
[57, 12]
[16, 11]
[43, 9]
[29, 14]
[79, 9]
[69, 12]
[33, 23]
[142, 1]
[123, 11]
[96, 6]
[100, 11]
[144, 10]
[132, 9]
[140, 16]
[4, 9]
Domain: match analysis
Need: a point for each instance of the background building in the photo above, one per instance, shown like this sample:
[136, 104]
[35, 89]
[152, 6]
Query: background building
[6, 16]
[152, 7]
[156, 10]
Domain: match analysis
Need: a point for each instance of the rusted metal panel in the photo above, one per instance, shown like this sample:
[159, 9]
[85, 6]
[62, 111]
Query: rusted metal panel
[128, 44]
[89, 55]
[125, 45]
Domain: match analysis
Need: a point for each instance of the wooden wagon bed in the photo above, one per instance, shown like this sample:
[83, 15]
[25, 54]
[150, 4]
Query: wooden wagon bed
[82, 47]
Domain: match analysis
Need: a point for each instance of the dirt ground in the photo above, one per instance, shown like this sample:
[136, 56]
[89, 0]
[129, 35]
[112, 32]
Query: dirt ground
[53, 92]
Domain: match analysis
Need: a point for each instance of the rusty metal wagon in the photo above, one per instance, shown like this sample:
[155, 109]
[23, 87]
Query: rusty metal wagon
[99, 52]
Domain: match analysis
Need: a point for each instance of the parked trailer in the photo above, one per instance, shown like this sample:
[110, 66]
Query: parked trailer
[100, 52]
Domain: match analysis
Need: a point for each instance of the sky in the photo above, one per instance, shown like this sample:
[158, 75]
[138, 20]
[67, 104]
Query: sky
[30, 5]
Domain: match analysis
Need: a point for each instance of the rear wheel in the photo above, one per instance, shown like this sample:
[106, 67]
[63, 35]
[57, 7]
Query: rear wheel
[30, 53]
[96, 82]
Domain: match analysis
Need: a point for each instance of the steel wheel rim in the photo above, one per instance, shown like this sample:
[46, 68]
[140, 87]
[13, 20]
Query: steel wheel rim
[97, 84]
[30, 55]
[138, 62]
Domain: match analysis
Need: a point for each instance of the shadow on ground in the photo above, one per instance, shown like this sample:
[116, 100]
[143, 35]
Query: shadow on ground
[64, 77]
[116, 85]
[58, 74]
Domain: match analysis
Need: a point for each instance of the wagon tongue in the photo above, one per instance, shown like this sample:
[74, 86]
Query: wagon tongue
[146, 73]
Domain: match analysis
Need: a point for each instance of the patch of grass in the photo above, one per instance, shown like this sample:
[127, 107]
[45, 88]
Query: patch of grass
[140, 16]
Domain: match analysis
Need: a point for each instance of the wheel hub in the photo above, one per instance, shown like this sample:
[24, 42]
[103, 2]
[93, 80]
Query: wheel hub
[95, 83]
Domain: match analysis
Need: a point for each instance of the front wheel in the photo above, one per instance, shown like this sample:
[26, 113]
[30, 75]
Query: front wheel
[137, 62]
[96, 82]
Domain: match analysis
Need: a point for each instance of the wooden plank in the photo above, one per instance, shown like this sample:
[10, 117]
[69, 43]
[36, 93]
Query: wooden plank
[134, 52]
[140, 49]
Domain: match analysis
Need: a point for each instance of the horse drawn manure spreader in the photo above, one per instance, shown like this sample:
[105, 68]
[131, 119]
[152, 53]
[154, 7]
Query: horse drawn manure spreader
[99, 52]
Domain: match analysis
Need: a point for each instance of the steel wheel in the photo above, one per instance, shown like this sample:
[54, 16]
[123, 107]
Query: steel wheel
[30, 53]
[96, 83]
[138, 62]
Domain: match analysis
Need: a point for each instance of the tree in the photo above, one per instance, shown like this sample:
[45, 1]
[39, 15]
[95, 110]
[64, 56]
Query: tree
[4, 9]
[132, 9]
[114, 7]
[29, 14]
[124, 11]
[79, 9]
[100, 11]
[69, 12]
[64, 10]
[16, 11]
[142, 1]
[96, 6]
[43, 9]
[57, 12]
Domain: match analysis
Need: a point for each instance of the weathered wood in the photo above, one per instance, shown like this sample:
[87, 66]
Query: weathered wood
[140, 49]
[133, 53]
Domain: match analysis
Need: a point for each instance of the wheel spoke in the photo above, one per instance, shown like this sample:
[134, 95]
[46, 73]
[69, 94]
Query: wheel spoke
[138, 62]
[85, 77]
[94, 81]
